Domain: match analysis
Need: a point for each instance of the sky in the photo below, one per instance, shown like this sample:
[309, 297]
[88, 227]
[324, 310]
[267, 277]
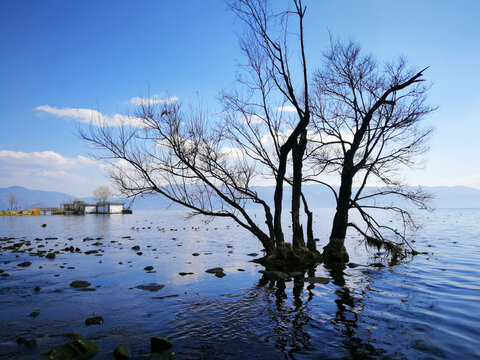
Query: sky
[66, 61]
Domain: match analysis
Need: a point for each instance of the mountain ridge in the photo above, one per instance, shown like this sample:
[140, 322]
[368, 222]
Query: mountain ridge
[318, 196]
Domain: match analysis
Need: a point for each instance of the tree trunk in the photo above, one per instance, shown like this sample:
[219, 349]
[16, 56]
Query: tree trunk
[278, 197]
[298, 150]
[311, 244]
[335, 250]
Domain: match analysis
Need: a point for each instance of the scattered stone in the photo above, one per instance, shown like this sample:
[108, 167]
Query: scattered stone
[150, 287]
[164, 297]
[195, 254]
[50, 256]
[122, 353]
[159, 344]
[240, 269]
[148, 268]
[77, 349]
[37, 288]
[96, 320]
[185, 273]
[139, 253]
[24, 264]
[316, 280]
[80, 284]
[28, 342]
[252, 254]
[91, 252]
[136, 247]
[34, 313]
[218, 271]
[44, 225]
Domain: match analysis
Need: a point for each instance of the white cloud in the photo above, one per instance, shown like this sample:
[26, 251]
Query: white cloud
[90, 116]
[287, 108]
[154, 99]
[48, 170]
[44, 158]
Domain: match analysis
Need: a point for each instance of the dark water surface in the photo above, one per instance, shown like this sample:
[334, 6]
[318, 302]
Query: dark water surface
[425, 308]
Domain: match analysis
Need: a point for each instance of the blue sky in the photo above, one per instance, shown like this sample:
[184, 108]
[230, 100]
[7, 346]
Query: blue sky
[98, 55]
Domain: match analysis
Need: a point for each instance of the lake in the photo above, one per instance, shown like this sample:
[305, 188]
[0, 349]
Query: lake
[426, 307]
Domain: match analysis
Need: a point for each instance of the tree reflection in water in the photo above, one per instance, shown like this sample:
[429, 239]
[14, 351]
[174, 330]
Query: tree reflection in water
[293, 326]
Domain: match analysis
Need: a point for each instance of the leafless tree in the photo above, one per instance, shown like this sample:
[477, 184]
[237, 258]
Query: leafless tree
[368, 126]
[102, 193]
[352, 119]
[208, 166]
[13, 202]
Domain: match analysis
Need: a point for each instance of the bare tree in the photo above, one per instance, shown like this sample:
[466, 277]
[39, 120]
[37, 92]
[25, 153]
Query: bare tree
[13, 202]
[209, 166]
[102, 193]
[368, 126]
[357, 122]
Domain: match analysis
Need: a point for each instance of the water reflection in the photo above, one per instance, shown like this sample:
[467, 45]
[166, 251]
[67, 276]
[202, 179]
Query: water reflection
[293, 326]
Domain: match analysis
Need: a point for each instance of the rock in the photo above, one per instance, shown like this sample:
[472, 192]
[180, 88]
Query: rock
[159, 344]
[164, 297]
[37, 288]
[96, 320]
[148, 268]
[195, 254]
[353, 265]
[139, 253]
[380, 265]
[240, 269]
[80, 284]
[316, 280]
[24, 264]
[50, 256]
[44, 225]
[34, 313]
[91, 252]
[77, 349]
[218, 271]
[28, 342]
[121, 353]
[136, 247]
[150, 287]
[252, 254]
[185, 273]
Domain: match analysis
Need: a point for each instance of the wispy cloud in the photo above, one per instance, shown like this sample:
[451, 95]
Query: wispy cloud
[287, 108]
[48, 170]
[154, 99]
[90, 116]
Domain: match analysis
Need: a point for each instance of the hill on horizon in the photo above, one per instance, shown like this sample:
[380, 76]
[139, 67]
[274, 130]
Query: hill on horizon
[317, 195]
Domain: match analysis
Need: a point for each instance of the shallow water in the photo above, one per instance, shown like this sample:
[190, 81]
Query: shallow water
[427, 307]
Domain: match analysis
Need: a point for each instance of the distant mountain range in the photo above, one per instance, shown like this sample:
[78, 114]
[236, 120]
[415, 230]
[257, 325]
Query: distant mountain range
[317, 195]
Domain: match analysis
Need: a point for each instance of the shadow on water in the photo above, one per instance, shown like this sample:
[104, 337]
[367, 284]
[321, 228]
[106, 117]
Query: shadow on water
[293, 325]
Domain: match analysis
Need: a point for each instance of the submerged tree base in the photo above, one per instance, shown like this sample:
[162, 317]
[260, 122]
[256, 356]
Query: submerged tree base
[290, 258]
[335, 252]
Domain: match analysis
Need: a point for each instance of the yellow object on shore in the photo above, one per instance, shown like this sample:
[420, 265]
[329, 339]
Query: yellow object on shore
[20, 212]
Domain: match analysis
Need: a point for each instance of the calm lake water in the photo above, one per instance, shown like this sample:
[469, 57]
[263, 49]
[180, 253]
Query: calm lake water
[424, 308]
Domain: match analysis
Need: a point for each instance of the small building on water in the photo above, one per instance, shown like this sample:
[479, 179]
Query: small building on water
[105, 207]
